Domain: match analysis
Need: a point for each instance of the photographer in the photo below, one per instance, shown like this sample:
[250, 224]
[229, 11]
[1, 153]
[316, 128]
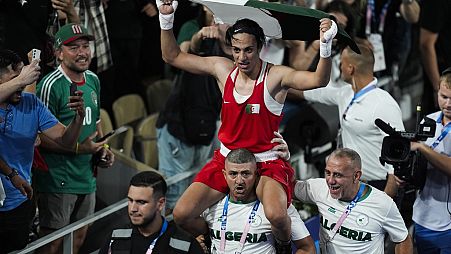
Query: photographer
[433, 229]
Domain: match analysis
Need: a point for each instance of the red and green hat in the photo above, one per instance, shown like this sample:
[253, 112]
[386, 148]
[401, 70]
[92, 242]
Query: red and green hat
[71, 32]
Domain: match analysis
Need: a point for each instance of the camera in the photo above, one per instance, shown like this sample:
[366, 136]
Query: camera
[409, 166]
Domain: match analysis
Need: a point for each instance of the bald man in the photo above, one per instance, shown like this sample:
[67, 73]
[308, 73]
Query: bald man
[360, 102]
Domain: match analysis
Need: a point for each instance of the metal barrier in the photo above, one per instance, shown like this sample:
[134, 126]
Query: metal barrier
[67, 231]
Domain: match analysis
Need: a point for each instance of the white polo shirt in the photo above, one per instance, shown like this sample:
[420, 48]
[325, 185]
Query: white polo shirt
[358, 130]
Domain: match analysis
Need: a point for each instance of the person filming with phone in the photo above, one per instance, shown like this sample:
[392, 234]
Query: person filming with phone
[22, 116]
[67, 189]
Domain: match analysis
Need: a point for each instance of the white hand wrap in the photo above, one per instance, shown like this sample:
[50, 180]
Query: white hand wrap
[325, 48]
[166, 20]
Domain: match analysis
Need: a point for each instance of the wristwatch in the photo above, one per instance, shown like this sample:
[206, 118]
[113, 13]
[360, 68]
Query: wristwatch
[12, 174]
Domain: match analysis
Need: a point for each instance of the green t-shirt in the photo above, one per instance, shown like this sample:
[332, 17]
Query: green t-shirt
[188, 29]
[69, 173]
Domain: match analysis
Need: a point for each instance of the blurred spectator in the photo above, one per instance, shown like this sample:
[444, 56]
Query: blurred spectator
[305, 55]
[126, 34]
[435, 41]
[360, 102]
[92, 16]
[125, 38]
[24, 27]
[386, 27]
[187, 125]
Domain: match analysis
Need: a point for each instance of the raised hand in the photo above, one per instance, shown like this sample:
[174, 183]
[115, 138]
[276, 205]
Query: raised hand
[166, 7]
[30, 73]
[76, 103]
[210, 32]
[328, 29]
[89, 146]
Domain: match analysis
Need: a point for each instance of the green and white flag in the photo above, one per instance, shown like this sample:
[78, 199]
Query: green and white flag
[278, 21]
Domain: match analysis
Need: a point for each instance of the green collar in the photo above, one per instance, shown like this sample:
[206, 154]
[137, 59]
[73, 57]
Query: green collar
[366, 194]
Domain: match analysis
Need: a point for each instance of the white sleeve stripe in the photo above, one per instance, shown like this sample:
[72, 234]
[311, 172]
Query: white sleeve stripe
[46, 87]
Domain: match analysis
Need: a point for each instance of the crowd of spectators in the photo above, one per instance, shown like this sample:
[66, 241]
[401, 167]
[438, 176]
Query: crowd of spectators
[110, 48]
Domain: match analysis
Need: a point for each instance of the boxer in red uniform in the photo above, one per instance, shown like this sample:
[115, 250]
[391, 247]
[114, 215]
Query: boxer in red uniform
[253, 96]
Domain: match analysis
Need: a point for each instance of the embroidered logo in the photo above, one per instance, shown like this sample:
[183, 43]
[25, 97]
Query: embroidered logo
[256, 221]
[94, 97]
[331, 209]
[362, 220]
[76, 29]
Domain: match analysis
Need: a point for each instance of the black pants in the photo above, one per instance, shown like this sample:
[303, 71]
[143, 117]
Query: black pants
[15, 227]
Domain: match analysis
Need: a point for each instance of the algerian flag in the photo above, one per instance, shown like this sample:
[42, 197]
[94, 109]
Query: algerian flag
[283, 21]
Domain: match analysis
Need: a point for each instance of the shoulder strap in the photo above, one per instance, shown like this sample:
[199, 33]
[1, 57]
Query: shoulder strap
[122, 239]
[179, 244]
[180, 240]
[122, 233]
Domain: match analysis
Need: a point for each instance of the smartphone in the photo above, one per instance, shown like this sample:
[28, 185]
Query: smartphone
[35, 54]
[73, 89]
[111, 133]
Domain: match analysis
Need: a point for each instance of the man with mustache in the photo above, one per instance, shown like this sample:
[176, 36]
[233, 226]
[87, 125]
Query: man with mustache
[150, 231]
[22, 116]
[67, 189]
[240, 213]
[354, 216]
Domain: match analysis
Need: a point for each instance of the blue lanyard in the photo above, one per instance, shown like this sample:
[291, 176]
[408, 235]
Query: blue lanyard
[163, 229]
[445, 131]
[152, 244]
[371, 16]
[246, 227]
[347, 211]
[356, 96]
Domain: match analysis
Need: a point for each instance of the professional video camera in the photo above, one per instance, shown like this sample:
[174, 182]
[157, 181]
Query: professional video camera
[409, 166]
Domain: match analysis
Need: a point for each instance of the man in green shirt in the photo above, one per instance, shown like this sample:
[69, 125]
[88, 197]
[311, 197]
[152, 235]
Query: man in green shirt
[67, 189]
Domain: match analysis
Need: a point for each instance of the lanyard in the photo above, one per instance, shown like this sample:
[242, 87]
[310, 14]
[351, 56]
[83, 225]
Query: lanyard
[347, 212]
[152, 244]
[371, 16]
[246, 227]
[445, 131]
[356, 96]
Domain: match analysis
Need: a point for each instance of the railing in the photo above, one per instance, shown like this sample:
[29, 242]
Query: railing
[68, 231]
